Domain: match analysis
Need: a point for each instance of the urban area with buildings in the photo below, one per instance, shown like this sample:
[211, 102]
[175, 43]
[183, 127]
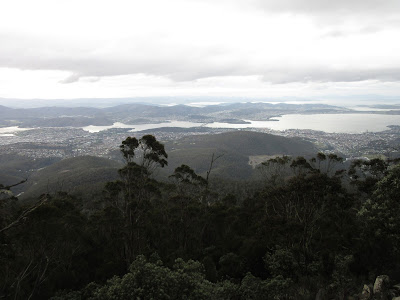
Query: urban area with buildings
[71, 142]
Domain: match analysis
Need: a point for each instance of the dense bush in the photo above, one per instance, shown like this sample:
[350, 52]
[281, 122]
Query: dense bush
[282, 241]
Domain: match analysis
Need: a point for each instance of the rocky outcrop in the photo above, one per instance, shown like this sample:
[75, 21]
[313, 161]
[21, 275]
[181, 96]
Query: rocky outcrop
[366, 293]
[381, 287]
[381, 290]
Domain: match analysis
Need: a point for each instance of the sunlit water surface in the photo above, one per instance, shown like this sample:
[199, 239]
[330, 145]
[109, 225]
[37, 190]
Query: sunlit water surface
[339, 123]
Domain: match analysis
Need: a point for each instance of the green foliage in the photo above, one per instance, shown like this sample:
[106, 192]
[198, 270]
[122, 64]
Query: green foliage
[148, 280]
[283, 240]
[210, 269]
[380, 218]
[185, 280]
[364, 174]
[230, 265]
[343, 280]
[276, 171]
[128, 147]
[275, 288]
[185, 174]
[41, 251]
[153, 151]
[84, 176]
[281, 262]
[147, 149]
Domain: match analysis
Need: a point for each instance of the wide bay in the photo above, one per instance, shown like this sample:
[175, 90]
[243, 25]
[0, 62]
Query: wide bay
[339, 123]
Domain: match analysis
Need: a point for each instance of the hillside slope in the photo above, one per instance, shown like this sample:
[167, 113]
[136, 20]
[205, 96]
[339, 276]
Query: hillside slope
[87, 175]
[82, 175]
[235, 148]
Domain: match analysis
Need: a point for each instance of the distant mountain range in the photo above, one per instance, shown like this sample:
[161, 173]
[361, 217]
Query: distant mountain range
[144, 113]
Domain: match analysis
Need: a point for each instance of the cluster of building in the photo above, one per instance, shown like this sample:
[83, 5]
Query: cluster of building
[70, 142]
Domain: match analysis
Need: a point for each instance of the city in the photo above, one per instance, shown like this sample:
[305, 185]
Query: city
[72, 142]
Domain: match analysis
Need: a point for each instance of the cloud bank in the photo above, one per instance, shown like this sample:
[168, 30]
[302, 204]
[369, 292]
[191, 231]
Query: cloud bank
[279, 42]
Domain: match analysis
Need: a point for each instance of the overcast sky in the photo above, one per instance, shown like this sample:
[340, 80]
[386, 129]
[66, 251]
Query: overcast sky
[245, 48]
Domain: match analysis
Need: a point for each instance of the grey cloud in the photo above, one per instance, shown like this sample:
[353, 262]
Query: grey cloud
[319, 8]
[92, 79]
[186, 65]
[337, 33]
[283, 76]
[370, 29]
[74, 77]
[341, 17]
[327, 13]
[330, 7]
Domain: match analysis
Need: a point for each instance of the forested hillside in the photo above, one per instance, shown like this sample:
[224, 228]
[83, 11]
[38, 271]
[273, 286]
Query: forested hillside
[310, 227]
[15, 168]
[84, 175]
[235, 148]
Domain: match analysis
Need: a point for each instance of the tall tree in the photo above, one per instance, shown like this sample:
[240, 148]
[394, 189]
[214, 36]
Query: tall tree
[131, 195]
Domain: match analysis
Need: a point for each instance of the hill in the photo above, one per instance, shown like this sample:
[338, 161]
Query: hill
[87, 175]
[52, 116]
[78, 175]
[130, 113]
[14, 168]
[235, 147]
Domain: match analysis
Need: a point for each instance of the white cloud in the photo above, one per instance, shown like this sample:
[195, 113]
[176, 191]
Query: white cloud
[183, 44]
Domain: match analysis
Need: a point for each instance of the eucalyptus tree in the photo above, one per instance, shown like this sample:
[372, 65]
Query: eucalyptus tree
[131, 195]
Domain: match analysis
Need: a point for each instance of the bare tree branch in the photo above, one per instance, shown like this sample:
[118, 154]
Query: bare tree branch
[25, 213]
[213, 160]
[10, 186]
